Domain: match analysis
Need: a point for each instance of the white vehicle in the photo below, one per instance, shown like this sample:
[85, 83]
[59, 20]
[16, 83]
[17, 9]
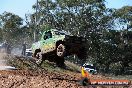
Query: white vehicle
[90, 68]
[28, 52]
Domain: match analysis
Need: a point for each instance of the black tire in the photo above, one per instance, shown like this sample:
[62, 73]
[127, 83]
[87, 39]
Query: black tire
[38, 57]
[60, 61]
[60, 50]
[35, 53]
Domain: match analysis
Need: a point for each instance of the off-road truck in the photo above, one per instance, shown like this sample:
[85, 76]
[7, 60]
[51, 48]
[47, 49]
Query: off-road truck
[54, 45]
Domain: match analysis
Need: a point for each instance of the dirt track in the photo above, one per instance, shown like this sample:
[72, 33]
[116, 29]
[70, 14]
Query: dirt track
[35, 78]
[29, 79]
[40, 78]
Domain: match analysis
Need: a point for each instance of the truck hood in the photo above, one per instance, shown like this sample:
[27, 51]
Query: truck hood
[35, 45]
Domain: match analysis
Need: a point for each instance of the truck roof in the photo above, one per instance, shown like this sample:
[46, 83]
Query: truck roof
[60, 31]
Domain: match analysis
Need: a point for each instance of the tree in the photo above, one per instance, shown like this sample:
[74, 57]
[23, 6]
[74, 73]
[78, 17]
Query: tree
[92, 20]
[88, 18]
[124, 16]
[75, 15]
[11, 26]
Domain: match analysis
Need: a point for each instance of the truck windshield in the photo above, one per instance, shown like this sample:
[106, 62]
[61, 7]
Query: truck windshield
[61, 33]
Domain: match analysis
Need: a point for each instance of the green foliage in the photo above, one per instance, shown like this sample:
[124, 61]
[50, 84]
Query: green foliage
[10, 26]
[116, 68]
[1, 35]
[72, 15]
[91, 19]
[124, 16]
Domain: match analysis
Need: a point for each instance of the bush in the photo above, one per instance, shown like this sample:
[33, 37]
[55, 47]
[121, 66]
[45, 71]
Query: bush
[116, 68]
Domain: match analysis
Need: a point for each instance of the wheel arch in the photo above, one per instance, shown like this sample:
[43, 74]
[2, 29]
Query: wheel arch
[36, 51]
[59, 42]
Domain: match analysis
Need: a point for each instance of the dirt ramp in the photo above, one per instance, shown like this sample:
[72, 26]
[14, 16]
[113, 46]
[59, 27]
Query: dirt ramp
[31, 75]
[17, 62]
[34, 79]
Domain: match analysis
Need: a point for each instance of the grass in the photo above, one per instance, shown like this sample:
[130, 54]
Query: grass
[24, 63]
[51, 67]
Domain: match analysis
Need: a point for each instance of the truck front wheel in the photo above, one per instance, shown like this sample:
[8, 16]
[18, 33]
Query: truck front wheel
[60, 61]
[60, 50]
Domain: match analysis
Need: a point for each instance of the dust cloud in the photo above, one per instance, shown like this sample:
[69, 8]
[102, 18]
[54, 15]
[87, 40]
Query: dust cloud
[2, 59]
[3, 62]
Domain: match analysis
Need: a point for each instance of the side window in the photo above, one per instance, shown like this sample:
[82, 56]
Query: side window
[47, 35]
[57, 33]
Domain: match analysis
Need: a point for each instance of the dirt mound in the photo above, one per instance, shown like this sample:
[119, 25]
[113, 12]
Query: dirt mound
[29, 79]
[19, 62]
[30, 75]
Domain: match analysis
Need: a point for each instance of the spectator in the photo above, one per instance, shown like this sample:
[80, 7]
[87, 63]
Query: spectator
[24, 49]
[8, 48]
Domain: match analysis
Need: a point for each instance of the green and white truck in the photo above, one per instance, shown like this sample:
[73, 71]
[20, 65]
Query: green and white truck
[54, 45]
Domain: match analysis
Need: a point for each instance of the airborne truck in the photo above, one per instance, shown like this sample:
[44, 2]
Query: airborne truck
[54, 45]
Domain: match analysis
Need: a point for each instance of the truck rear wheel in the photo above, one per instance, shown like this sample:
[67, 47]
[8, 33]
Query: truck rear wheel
[60, 62]
[82, 55]
[38, 56]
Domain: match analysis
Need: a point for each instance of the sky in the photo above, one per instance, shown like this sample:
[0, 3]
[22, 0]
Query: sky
[22, 7]
[18, 7]
[118, 3]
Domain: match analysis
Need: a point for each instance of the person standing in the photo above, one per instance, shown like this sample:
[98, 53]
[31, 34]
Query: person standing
[8, 48]
[24, 49]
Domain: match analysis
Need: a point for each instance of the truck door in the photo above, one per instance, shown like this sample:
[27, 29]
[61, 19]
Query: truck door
[48, 44]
